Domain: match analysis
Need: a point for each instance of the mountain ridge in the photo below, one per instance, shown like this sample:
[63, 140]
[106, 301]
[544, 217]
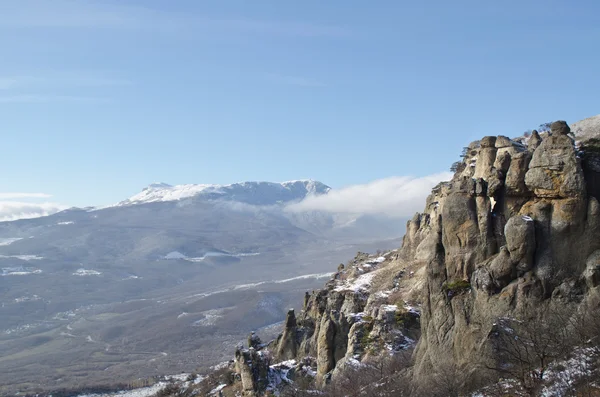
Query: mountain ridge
[506, 251]
[249, 192]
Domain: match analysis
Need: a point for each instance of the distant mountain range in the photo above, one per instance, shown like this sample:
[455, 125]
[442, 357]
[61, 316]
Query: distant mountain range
[190, 219]
[254, 193]
[87, 281]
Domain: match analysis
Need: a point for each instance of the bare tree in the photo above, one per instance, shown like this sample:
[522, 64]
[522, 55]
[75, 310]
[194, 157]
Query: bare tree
[524, 349]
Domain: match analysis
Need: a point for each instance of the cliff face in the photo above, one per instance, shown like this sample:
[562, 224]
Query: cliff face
[515, 230]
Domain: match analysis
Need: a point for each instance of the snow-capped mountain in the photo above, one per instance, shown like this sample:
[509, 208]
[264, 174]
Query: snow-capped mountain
[170, 265]
[254, 193]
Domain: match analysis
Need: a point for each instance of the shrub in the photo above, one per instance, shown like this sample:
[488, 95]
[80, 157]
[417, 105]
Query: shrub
[407, 319]
[591, 146]
[457, 166]
[456, 287]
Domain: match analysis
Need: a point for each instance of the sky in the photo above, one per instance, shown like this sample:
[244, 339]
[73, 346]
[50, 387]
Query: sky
[99, 98]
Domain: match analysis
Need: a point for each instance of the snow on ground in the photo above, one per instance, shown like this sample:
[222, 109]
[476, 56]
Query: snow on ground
[563, 375]
[27, 299]
[361, 283]
[210, 318]
[305, 277]
[143, 392]
[19, 271]
[66, 223]
[259, 283]
[9, 241]
[218, 389]
[383, 294]
[278, 373]
[389, 308]
[86, 272]
[219, 366]
[22, 257]
[176, 255]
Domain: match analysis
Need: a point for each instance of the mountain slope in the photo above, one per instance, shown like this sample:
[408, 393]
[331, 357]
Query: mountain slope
[111, 284]
[503, 263]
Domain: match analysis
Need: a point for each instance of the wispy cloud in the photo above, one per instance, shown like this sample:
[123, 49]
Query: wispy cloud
[53, 86]
[21, 195]
[7, 83]
[26, 98]
[94, 15]
[64, 79]
[399, 196]
[295, 81]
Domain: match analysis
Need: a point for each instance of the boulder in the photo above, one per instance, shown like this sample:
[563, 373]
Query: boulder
[554, 169]
[502, 269]
[534, 141]
[515, 176]
[487, 142]
[503, 141]
[520, 241]
[592, 270]
[560, 127]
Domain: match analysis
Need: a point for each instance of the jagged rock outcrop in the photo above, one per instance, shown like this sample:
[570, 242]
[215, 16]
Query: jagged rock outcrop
[286, 346]
[516, 229]
[252, 369]
[529, 238]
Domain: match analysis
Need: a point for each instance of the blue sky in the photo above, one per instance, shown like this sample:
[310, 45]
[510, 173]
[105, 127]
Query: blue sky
[100, 98]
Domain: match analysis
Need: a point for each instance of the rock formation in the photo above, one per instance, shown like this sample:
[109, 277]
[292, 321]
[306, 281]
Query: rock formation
[530, 240]
[516, 229]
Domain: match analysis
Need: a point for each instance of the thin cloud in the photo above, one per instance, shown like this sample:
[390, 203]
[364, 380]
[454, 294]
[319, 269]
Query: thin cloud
[398, 197]
[13, 210]
[295, 81]
[76, 79]
[50, 98]
[94, 15]
[7, 83]
[20, 195]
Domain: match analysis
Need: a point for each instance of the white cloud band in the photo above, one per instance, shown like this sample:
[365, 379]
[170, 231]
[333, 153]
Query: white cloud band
[399, 196]
[21, 195]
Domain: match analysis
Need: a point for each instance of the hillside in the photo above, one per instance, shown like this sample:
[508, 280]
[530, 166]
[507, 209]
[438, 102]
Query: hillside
[494, 291]
[146, 286]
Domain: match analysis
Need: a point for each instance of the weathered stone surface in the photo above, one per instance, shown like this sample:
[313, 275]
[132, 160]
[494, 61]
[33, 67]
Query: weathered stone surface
[482, 280]
[518, 225]
[253, 371]
[494, 184]
[503, 141]
[485, 158]
[592, 270]
[502, 268]
[534, 141]
[487, 141]
[560, 127]
[325, 347]
[515, 176]
[288, 343]
[502, 161]
[554, 170]
[520, 241]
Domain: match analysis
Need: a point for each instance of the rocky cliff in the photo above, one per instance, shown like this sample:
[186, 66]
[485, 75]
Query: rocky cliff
[515, 231]
[517, 227]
